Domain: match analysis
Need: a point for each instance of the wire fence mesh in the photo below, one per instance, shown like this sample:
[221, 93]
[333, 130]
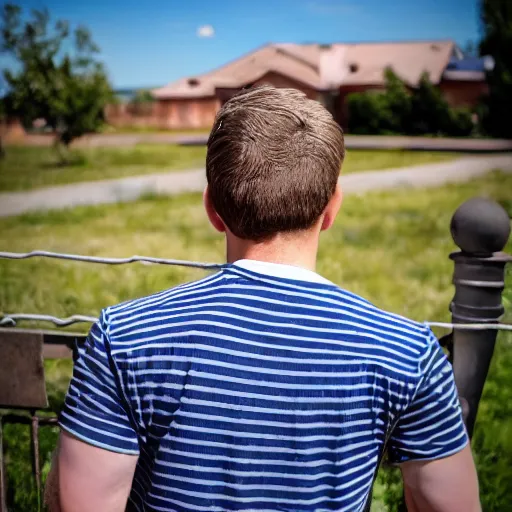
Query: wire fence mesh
[108, 261]
[12, 318]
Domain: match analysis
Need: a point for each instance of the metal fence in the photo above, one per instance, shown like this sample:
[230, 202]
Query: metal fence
[479, 227]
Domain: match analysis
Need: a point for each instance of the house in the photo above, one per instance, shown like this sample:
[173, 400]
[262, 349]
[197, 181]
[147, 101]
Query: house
[325, 72]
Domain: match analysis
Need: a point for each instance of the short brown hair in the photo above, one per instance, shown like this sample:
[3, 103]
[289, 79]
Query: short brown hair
[273, 162]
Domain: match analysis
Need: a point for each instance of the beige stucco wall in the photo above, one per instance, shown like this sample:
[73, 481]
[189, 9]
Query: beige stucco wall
[170, 114]
[184, 113]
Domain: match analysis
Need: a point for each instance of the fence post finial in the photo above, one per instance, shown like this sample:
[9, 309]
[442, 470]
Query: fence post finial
[480, 228]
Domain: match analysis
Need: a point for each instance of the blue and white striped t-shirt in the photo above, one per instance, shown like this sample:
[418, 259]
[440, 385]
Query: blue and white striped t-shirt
[260, 388]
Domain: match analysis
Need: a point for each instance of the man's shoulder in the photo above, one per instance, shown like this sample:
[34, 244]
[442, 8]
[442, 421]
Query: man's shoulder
[364, 307]
[150, 305]
[403, 333]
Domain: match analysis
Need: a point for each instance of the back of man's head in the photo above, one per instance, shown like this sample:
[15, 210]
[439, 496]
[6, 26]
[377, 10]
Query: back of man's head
[273, 162]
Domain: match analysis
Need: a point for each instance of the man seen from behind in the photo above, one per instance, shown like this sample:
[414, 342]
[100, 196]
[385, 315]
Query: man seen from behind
[262, 387]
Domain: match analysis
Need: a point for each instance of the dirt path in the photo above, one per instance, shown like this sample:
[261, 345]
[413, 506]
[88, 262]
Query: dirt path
[351, 141]
[131, 189]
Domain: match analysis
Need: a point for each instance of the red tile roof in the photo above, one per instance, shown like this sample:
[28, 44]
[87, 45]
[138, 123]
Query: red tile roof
[321, 67]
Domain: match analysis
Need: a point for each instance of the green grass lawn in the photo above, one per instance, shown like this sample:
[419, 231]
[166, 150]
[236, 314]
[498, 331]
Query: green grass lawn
[357, 160]
[391, 247]
[29, 167]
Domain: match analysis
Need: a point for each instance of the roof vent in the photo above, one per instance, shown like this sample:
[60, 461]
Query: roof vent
[353, 67]
[193, 82]
[325, 46]
[435, 47]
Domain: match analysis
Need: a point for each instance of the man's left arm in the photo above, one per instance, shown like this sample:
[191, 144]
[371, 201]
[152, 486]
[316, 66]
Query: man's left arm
[430, 441]
[98, 449]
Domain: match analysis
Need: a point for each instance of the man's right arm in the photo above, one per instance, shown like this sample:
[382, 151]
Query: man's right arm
[431, 445]
[98, 448]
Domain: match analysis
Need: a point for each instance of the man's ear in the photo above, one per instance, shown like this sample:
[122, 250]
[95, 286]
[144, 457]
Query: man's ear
[213, 216]
[333, 207]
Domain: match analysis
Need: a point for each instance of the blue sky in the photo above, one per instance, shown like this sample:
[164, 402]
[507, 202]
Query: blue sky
[152, 42]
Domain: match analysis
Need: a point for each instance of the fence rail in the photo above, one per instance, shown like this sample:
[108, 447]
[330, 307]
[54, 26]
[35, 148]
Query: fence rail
[13, 318]
[108, 261]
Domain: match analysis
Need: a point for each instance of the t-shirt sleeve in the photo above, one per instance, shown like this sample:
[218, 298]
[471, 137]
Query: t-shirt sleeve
[431, 427]
[94, 410]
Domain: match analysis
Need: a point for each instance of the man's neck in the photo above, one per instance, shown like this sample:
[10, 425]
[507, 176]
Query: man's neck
[298, 250]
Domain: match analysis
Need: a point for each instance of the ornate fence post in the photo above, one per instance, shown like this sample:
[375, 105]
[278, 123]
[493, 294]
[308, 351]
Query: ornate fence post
[480, 228]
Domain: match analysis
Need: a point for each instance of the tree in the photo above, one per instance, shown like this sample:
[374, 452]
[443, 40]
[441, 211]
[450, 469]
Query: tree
[429, 110]
[142, 103]
[496, 18]
[56, 77]
[470, 49]
[398, 101]
[2, 123]
[368, 113]
[142, 96]
[422, 111]
[6, 112]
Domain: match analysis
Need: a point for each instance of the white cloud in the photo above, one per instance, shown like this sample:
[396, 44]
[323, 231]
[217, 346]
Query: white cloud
[205, 31]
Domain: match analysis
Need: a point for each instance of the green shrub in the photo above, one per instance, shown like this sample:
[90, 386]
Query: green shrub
[461, 122]
[398, 103]
[396, 110]
[393, 496]
[368, 113]
[376, 112]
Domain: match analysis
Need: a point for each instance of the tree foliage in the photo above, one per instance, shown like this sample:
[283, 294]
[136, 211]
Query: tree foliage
[142, 96]
[430, 111]
[3, 116]
[6, 112]
[368, 113]
[497, 42]
[56, 76]
[142, 103]
[398, 103]
[397, 110]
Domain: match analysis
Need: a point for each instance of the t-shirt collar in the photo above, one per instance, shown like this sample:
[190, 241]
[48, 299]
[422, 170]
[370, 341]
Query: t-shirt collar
[280, 270]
